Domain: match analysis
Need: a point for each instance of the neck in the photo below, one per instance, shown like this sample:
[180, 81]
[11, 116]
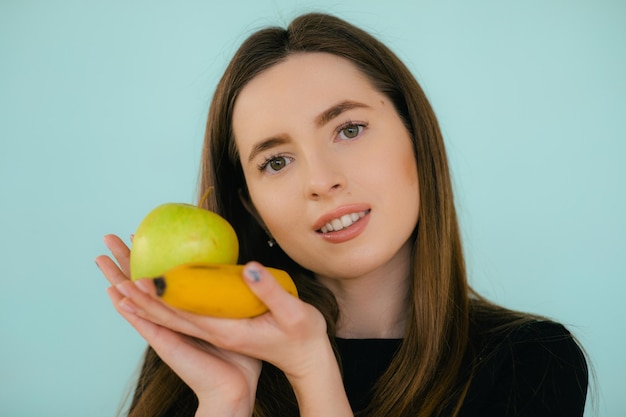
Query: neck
[373, 306]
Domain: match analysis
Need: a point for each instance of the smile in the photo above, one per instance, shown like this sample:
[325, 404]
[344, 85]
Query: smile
[342, 222]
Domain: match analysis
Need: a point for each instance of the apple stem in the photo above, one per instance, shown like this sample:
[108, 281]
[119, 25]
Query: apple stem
[205, 196]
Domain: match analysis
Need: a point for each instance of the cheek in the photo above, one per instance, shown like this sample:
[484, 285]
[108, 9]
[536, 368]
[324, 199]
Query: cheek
[402, 167]
[262, 206]
[407, 182]
[274, 209]
[408, 166]
[410, 170]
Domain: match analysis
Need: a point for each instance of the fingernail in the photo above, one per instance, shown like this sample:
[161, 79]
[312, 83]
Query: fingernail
[253, 274]
[144, 286]
[122, 289]
[126, 306]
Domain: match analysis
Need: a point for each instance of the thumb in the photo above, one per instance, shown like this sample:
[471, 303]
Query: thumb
[265, 286]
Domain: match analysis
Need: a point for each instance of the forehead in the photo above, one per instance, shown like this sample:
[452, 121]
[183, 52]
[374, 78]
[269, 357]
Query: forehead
[303, 85]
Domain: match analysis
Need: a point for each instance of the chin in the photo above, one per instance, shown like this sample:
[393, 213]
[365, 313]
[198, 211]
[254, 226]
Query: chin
[353, 268]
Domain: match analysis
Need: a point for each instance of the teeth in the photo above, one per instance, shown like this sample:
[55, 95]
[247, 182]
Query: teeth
[346, 220]
[342, 222]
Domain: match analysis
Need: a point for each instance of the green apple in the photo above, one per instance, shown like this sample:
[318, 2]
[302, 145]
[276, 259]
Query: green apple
[176, 233]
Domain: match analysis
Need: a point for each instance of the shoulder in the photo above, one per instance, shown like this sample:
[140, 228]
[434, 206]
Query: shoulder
[547, 341]
[530, 367]
[545, 354]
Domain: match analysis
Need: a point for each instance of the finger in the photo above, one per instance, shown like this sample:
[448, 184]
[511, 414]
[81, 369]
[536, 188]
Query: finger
[145, 303]
[261, 282]
[189, 357]
[222, 332]
[128, 309]
[114, 295]
[111, 270]
[120, 252]
[160, 338]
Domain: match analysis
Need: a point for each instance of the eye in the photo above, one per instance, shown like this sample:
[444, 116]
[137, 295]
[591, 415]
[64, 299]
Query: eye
[350, 130]
[274, 164]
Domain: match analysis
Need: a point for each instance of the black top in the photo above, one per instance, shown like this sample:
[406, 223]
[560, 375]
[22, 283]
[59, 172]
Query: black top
[535, 370]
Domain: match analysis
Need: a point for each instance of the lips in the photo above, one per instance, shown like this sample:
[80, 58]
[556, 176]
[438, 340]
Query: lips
[342, 222]
[341, 218]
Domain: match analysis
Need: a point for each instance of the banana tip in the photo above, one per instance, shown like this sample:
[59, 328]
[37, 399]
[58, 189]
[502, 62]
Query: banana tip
[159, 284]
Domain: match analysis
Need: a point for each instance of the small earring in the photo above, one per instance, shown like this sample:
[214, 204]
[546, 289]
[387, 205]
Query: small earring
[271, 242]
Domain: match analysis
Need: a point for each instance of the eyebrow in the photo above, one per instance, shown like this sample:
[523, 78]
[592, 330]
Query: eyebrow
[334, 111]
[266, 144]
[324, 117]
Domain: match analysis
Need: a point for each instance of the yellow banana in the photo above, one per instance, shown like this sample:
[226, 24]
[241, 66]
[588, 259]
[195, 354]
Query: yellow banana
[215, 290]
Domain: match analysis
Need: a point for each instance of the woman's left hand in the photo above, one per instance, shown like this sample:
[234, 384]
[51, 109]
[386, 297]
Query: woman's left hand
[291, 336]
[288, 336]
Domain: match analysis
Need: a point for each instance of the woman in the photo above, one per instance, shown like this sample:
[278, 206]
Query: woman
[321, 141]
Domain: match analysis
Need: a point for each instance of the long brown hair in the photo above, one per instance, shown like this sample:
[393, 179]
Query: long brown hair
[430, 373]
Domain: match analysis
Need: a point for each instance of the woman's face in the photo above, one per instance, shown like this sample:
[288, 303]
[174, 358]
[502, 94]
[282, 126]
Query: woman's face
[329, 165]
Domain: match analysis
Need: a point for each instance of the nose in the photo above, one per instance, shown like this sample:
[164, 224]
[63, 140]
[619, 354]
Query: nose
[324, 178]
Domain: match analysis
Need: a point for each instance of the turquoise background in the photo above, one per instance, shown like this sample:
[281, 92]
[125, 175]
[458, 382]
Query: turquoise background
[102, 111]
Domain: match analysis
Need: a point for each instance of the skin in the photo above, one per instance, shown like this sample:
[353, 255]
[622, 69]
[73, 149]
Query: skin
[329, 169]
[358, 158]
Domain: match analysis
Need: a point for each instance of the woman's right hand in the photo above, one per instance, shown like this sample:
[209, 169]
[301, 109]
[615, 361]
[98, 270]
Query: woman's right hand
[224, 381]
